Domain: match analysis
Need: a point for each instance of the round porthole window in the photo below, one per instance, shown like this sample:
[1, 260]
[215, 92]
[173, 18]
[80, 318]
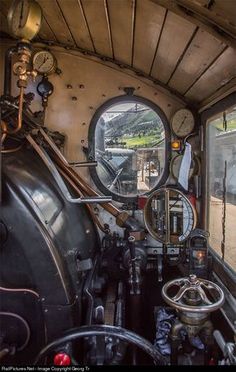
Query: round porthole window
[128, 139]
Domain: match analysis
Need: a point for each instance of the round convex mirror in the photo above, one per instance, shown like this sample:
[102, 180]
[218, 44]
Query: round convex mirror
[169, 216]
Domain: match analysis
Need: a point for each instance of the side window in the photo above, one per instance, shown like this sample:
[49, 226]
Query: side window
[221, 185]
[129, 142]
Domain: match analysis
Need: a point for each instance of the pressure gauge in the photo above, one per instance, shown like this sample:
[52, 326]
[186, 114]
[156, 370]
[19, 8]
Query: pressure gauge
[24, 19]
[176, 163]
[182, 123]
[44, 62]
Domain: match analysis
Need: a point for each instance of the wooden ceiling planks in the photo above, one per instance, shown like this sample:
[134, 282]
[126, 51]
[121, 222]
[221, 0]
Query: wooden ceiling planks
[148, 24]
[220, 12]
[219, 74]
[3, 22]
[174, 39]
[203, 49]
[147, 36]
[55, 19]
[97, 18]
[4, 6]
[74, 16]
[121, 15]
[46, 32]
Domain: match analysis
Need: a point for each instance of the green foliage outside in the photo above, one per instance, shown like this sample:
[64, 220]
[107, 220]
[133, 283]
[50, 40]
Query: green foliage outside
[143, 141]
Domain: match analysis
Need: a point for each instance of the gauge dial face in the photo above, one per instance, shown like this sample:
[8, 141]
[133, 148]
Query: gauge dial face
[44, 62]
[24, 18]
[183, 123]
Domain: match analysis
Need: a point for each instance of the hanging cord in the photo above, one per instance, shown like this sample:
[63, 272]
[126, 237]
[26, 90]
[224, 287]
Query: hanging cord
[224, 212]
[224, 121]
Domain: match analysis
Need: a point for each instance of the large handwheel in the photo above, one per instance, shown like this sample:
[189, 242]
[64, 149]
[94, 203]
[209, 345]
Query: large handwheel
[189, 286]
[104, 330]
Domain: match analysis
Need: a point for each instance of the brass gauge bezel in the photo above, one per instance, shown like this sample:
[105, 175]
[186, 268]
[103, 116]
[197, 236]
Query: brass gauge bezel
[46, 70]
[183, 123]
[32, 22]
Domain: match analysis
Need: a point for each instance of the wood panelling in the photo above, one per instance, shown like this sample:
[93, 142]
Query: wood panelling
[222, 12]
[56, 21]
[202, 51]
[3, 22]
[175, 36]
[74, 16]
[45, 32]
[215, 28]
[183, 51]
[121, 15]
[96, 15]
[148, 24]
[218, 75]
[4, 6]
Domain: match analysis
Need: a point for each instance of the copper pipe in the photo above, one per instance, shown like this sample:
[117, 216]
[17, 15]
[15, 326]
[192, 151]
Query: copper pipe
[19, 116]
[73, 185]
[85, 187]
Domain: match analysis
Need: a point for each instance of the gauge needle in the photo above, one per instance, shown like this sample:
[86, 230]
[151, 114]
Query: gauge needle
[182, 123]
[44, 60]
[21, 13]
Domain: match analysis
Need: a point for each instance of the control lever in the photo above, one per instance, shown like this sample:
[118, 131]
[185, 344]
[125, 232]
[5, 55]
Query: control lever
[61, 184]
[61, 157]
[228, 348]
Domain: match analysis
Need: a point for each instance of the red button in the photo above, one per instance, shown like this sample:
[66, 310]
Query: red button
[62, 359]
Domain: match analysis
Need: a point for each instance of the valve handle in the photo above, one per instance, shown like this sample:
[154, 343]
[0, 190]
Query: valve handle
[190, 285]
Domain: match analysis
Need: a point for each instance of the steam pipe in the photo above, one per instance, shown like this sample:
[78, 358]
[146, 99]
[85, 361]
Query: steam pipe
[7, 71]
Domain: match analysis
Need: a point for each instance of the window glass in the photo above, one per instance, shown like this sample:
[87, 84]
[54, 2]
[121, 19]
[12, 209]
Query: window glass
[221, 157]
[129, 148]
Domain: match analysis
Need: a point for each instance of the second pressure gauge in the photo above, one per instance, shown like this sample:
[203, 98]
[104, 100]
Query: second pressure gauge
[183, 123]
[44, 62]
[24, 19]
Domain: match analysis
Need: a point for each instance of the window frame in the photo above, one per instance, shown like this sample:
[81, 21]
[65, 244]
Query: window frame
[224, 271]
[91, 144]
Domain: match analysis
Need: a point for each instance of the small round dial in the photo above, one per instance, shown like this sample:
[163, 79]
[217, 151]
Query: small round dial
[44, 62]
[24, 19]
[182, 123]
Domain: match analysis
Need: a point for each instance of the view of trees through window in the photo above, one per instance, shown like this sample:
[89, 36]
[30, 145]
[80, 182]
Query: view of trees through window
[130, 148]
[221, 157]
